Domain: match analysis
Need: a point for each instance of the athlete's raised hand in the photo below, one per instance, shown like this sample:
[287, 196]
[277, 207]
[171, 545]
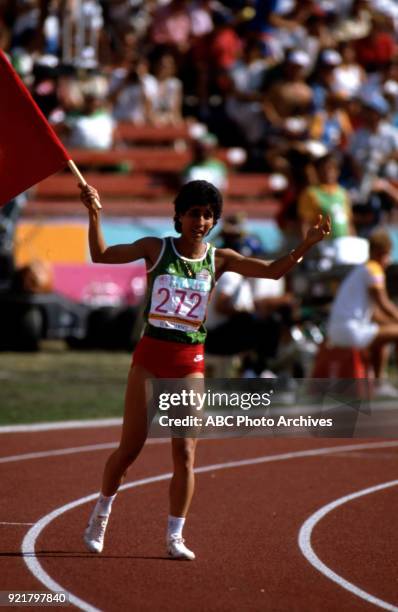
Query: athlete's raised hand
[89, 196]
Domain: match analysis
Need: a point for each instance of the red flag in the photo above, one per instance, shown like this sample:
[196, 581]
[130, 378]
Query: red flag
[29, 149]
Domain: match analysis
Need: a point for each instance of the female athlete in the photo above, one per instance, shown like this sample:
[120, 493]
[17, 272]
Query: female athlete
[181, 273]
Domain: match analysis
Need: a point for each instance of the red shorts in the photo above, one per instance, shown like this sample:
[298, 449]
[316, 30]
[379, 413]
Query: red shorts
[166, 359]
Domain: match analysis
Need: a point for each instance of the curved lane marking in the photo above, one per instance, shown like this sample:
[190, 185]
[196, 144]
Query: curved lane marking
[71, 450]
[29, 541]
[60, 425]
[107, 445]
[304, 541]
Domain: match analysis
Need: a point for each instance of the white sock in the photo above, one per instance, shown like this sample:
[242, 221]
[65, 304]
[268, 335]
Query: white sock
[103, 506]
[175, 526]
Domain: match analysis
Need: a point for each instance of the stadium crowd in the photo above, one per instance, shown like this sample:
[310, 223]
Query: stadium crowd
[309, 88]
[290, 81]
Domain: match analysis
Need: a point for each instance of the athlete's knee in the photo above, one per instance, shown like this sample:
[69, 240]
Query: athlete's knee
[184, 454]
[128, 455]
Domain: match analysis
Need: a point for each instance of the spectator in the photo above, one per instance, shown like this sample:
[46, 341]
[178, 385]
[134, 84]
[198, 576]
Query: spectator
[322, 79]
[130, 91]
[287, 105]
[362, 314]
[92, 126]
[26, 19]
[356, 23]
[377, 49]
[318, 35]
[348, 76]
[69, 94]
[233, 325]
[204, 165]
[374, 152]
[124, 52]
[44, 86]
[281, 23]
[201, 18]
[166, 92]
[332, 126]
[171, 26]
[243, 100]
[327, 197]
[248, 316]
[225, 46]
[289, 96]
[246, 69]
[234, 235]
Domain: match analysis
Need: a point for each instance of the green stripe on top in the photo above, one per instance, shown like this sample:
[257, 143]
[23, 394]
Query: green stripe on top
[177, 295]
[334, 203]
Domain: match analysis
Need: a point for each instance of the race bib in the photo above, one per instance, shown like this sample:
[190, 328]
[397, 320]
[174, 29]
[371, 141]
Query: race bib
[179, 303]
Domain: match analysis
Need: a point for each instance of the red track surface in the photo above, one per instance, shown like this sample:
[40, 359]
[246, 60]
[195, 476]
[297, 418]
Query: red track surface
[243, 526]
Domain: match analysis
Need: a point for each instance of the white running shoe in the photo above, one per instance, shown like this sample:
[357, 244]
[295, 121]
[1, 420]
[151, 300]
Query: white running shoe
[95, 533]
[176, 549]
[384, 389]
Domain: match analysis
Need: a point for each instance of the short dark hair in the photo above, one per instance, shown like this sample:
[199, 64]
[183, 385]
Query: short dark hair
[197, 193]
[326, 159]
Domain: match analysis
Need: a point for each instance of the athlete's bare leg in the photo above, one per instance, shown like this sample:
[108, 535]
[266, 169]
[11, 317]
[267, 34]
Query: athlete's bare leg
[134, 432]
[183, 481]
[386, 334]
[378, 357]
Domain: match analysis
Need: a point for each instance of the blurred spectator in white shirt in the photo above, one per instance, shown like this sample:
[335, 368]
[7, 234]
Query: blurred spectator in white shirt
[204, 165]
[244, 97]
[90, 126]
[130, 90]
[165, 92]
[348, 76]
[374, 151]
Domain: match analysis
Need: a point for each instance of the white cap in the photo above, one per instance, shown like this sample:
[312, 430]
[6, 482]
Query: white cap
[331, 57]
[316, 148]
[391, 88]
[299, 57]
[278, 182]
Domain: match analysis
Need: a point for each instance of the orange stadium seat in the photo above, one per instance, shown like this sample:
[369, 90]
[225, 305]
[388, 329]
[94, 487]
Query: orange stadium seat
[127, 132]
[139, 159]
[147, 184]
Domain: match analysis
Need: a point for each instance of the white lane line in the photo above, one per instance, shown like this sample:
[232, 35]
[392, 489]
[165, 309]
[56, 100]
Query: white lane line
[58, 452]
[59, 425]
[71, 450]
[30, 539]
[96, 447]
[7, 523]
[108, 422]
[304, 541]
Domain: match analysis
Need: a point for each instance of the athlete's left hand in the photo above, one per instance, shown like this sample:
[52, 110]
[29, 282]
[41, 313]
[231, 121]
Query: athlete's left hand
[319, 230]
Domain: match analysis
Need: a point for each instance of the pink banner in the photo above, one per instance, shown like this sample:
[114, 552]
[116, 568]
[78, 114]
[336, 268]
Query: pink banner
[101, 284]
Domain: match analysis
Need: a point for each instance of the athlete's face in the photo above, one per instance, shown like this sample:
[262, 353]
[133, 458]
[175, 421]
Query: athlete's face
[196, 222]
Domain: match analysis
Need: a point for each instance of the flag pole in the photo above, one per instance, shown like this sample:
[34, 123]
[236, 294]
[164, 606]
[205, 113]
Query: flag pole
[76, 172]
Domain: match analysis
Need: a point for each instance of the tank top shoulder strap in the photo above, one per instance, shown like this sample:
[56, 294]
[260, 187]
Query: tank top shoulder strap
[211, 258]
[162, 252]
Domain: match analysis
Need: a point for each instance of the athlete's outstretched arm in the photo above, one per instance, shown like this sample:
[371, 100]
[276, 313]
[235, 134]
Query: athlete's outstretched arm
[116, 254]
[229, 260]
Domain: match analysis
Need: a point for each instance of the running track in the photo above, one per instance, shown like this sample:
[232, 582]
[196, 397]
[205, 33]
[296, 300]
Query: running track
[310, 525]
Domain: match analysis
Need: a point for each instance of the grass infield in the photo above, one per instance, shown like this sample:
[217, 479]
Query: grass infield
[60, 384]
